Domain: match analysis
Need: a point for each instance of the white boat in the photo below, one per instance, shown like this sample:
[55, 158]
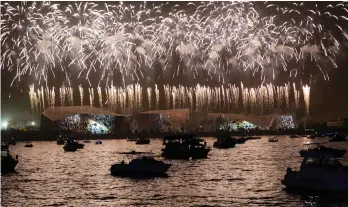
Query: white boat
[321, 173]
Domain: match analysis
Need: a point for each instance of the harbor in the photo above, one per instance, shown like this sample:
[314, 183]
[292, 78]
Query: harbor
[248, 174]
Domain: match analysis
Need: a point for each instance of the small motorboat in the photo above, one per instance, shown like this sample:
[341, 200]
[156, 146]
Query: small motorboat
[143, 141]
[86, 141]
[61, 140]
[318, 173]
[140, 167]
[293, 136]
[225, 142]
[272, 139]
[68, 147]
[184, 147]
[28, 144]
[98, 142]
[322, 150]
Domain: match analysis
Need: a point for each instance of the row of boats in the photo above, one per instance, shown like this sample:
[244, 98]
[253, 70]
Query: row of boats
[320, 169]
[178, 146]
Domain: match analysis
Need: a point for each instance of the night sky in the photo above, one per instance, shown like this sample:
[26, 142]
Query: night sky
[329, 99]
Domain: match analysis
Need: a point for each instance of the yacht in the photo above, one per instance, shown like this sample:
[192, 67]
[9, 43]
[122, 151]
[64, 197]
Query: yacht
[322, 149]
[318, 173]
[184, 146]
[140, 167]
[143, 141]
[225, 142]
[8, 163]
[28, 144]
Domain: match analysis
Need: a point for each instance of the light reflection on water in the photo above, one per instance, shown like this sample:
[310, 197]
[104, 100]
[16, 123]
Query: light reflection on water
[248, 175]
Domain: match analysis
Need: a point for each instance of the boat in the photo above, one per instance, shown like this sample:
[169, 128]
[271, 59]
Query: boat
[338, 138]
[132, 139]
[184, 146]
[86, 141]
[8, 163]
[322, 149]
[318, 173]
[98, 142]
[28, 144]
[293, 136]
[60, 141]
[224, 142]
[143, 141]
[72, 146]
[77, 144]
[68, 147]
[12, 141]
[273, 139]
[140, 167]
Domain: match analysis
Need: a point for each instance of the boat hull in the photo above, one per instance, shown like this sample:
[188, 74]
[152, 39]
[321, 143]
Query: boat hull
[314, 184]
[335, 153]
[124, 170]
[8, 165]
[317, 181]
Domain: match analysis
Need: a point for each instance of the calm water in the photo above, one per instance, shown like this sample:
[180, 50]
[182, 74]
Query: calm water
[248, 175]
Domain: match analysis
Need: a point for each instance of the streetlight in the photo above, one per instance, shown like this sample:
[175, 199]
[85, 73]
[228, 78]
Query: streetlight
[33, 123]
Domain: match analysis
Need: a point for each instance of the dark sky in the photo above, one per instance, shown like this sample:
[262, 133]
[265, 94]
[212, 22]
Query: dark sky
[328, 99]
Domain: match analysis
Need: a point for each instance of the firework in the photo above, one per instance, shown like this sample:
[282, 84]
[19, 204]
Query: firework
[306, 94]
[42, 39]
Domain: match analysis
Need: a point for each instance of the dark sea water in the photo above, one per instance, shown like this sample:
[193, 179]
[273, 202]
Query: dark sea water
[247, 175]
